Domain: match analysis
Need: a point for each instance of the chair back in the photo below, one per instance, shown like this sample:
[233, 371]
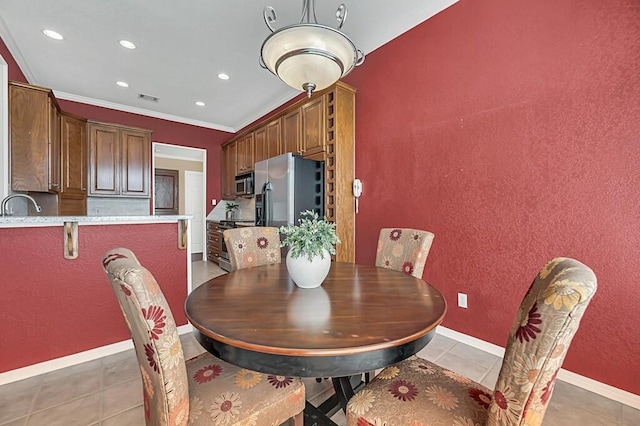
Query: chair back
[155, 337]
[252, 246]
[403, 249]
[546, 322]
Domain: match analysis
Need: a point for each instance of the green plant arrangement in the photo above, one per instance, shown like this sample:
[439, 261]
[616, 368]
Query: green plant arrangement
[310, 237]
[231, 206]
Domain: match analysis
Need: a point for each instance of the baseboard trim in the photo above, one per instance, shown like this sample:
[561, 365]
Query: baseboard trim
[602, 389]
[71, 360]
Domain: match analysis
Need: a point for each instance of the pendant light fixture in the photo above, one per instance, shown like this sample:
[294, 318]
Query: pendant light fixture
[309, 56]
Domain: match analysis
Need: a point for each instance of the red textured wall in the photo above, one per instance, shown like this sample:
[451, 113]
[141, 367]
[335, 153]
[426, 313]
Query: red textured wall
[52, 307]
[14, 71]
[511, 130]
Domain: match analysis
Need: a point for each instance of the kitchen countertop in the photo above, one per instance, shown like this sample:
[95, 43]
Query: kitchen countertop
[34, 221]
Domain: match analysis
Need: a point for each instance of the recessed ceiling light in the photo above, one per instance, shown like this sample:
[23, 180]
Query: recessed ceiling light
[127, 44]
[122, 84]
[200, 103]
[223, 76]
[52, 34]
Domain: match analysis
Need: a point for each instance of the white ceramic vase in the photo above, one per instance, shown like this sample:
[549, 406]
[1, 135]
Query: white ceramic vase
[308, 274]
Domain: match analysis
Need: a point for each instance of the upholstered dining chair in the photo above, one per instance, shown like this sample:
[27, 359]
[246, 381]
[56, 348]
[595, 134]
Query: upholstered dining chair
[403, 249]
[418, 392]
[200, 391]
[250, 246]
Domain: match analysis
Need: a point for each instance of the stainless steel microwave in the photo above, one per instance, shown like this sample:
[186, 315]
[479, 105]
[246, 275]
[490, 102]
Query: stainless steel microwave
[244, 185]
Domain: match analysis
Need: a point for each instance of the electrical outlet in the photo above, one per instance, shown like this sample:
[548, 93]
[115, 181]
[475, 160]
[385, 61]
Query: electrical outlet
[213, 202]
[462, 300]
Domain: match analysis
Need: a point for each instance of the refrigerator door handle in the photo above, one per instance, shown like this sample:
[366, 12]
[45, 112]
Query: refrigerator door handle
[267, 207]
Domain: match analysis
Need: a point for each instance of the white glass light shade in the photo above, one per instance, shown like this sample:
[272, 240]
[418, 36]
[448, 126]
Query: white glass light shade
[309, 53]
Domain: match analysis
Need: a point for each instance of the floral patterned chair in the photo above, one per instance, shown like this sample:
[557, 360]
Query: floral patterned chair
[252, 246]
[417, 392]
[200, 391]
[403, 250]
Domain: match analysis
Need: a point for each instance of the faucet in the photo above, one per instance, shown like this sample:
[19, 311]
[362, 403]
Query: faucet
[5, 201]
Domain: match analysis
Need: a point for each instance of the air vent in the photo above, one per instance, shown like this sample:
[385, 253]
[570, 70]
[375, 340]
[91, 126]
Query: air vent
[148, 97]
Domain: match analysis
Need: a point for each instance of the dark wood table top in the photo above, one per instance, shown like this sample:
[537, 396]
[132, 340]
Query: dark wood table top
[360, 319]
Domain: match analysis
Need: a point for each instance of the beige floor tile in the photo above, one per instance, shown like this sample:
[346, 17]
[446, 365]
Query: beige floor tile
[64, 389]
[462, 366]
[490, 379]
[132, 417]
[572, 398]
[630, 416]
[121, 397]
[190, 346]
[204, 270]
[436, 347]
[121, 369]
[558, 415]
[315, 392]
[79, 412]
[16, 398]
[478, 356]
[87, 368]
[339, 418]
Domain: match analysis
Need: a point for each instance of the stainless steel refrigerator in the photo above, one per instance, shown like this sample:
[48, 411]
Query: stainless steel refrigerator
[285, 186]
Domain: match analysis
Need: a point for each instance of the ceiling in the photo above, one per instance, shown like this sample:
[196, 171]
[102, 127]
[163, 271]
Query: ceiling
[181, 48]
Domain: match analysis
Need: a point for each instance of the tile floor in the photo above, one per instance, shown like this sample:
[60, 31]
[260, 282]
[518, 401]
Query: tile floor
[108, 391]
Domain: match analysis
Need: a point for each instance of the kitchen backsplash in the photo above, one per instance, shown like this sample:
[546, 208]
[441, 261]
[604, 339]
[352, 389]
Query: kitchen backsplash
[246, 210]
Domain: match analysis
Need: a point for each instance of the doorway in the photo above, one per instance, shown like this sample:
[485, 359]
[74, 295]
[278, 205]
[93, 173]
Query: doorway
[191, 166]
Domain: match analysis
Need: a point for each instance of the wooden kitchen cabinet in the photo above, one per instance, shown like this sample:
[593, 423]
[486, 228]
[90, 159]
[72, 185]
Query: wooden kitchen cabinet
[73, 182]
[292, 132]
[274, 137]
[313, 127]
[245, 154]
[268, 141]
[261, 150]
[213, 241]
[228, 170]
[321, 128]
[119, 161]
[34, 138]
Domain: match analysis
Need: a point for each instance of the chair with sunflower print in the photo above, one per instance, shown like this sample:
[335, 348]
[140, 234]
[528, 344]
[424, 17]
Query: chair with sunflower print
[403, 250]
[250, 246]
[418, 392]
[200, 391]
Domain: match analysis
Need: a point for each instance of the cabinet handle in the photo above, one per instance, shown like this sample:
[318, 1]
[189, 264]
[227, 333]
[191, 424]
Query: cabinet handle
[55, 185]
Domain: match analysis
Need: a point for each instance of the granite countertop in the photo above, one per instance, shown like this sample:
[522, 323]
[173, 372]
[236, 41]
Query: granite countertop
[27, 221]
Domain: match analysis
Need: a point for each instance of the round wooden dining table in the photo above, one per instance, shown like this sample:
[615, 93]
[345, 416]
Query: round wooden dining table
[360, 319]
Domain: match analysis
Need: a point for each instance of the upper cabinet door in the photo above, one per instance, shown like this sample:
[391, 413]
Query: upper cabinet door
[104, 148]
[292, 132]
[313, 125]
[245, 154]
[260, 142]
[134, 163]
[34, 141]
[274, 138]
[228, 170]
[73, 131]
